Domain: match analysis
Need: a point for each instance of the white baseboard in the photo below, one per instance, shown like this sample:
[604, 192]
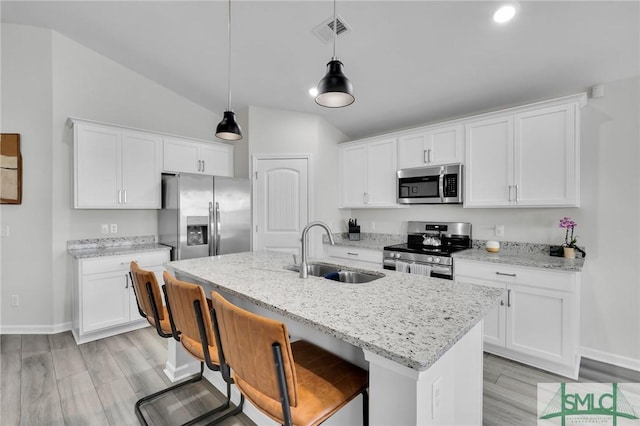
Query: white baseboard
[609, 358]
[35, 329]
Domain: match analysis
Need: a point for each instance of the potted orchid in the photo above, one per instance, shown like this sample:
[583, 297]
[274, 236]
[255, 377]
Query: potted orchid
[570, 241]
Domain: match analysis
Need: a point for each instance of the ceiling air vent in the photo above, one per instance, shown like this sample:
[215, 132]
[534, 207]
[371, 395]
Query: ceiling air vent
[324, 31]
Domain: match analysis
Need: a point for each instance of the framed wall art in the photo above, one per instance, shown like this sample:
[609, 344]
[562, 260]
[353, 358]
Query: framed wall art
[10, 169]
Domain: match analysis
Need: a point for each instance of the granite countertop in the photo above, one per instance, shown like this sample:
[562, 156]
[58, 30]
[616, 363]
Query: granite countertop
[410, 319]
[367, 240]
[521, 254]
[84, 249]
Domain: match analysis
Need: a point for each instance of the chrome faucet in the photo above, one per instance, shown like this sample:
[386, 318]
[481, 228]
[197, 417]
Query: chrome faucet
[304, 273]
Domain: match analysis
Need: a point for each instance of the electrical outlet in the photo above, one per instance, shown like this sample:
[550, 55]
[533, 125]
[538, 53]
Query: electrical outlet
[373, 225]
[15, 300]
[436, 398]
[114, 228]
[105, 228]
[4, 231]
[499, 230]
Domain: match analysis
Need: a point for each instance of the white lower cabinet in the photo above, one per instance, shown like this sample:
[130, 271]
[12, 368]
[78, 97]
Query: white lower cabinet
[354, 253]
[104, 302]
[538, 320]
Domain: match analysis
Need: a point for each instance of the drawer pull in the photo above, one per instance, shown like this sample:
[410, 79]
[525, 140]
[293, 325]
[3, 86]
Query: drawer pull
[129, 262]
[506, 275]
[352, 254]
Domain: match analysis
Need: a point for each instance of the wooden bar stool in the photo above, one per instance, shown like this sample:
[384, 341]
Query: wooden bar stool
[147, 291]
[192, 315]
[308, 384]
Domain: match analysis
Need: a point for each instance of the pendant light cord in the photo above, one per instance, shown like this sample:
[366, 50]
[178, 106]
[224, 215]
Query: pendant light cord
[335, 30]
[229, 59]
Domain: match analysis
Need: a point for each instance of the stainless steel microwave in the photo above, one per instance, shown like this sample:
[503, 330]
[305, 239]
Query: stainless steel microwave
[430, 185]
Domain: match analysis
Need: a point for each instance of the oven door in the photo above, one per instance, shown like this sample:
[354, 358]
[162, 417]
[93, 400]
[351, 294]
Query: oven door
[437, 271]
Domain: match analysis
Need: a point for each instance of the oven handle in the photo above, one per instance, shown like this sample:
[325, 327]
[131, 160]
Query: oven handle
[391, 263]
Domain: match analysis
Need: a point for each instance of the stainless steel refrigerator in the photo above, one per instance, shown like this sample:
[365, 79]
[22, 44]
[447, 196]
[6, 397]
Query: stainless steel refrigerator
[204, 215]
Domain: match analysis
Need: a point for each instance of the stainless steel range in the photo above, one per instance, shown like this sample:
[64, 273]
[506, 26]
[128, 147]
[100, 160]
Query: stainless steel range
[430, 244]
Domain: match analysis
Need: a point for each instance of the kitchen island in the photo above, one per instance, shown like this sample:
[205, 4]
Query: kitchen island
[419, 337]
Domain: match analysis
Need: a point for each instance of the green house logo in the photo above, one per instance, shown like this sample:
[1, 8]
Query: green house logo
[587, 403]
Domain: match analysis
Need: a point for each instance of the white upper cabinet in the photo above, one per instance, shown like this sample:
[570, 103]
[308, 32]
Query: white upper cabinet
[115, 167]
[368, 174]
[431, 146]
[526, 157]
[207, 158]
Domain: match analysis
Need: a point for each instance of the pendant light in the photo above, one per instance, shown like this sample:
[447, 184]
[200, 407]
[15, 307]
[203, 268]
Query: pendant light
[335, 89]
[228, 128]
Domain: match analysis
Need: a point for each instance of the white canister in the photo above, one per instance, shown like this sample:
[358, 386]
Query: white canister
[492, 246]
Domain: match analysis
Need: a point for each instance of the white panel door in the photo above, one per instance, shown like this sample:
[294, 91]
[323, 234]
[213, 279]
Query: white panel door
[282, 203]
[141, 157]
[381, 173]
[545, 154]
[97, 151]
[489, 162]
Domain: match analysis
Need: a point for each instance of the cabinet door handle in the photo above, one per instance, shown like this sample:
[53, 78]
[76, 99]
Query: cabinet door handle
[126, 281]
[506, 275]
[125, 196]
[429, 159]
[502, 303]
[199, 166]
[119, 197]
[204, 165]
[517, 196]
[508, 298]
[510, 193]
[365, 198]
[128, 263]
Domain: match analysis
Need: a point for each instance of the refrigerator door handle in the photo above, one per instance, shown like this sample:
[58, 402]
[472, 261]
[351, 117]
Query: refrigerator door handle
[212, 233]
[217, 228]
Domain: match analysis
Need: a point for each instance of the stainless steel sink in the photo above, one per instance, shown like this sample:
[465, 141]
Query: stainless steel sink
[338, 273]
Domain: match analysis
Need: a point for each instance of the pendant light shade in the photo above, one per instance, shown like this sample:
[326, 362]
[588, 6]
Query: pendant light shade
[335, 90]
[228, 128]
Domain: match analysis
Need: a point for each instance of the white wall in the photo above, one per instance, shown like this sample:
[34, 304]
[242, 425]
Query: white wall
[26, 109]
[47, 78]
[273, 131]
[608, 222]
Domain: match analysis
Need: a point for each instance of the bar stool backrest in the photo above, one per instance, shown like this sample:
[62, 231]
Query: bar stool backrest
[182, 296]
[247, 341]
[141, 278]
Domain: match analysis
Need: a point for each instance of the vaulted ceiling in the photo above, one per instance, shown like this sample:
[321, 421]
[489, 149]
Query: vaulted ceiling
[411, 62]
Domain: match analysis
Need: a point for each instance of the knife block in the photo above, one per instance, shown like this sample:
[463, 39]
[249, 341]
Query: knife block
[354, 233]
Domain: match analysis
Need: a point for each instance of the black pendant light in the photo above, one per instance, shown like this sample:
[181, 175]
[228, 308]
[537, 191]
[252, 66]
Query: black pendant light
[335, 89]
[228, 128]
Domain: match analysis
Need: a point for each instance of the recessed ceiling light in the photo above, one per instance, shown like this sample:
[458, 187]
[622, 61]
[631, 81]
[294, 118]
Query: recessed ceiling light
[504, 13]
[313, 91]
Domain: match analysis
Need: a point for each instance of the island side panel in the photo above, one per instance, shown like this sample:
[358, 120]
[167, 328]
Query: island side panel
[449, 392]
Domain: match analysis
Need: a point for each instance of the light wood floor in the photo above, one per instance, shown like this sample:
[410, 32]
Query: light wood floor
[49, 380]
